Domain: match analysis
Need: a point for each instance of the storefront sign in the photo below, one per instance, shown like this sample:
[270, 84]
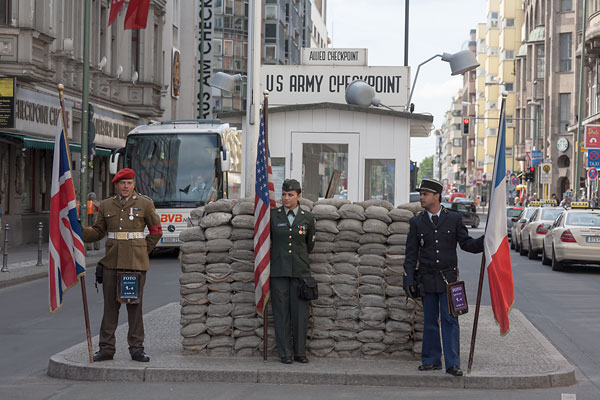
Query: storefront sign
[302, 84]
[39, 113]
[316, 56]
[111, 125]
[7, 103]
[592, 137]
[204, 68]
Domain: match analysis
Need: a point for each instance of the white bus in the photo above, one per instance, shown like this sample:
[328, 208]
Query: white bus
[180, 165]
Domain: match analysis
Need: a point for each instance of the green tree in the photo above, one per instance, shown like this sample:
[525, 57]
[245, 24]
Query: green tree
[426, 168]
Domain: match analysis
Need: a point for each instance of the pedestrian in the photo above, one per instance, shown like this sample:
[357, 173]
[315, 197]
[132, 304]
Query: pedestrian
[123, 218]
[431, 244]
[292, 238]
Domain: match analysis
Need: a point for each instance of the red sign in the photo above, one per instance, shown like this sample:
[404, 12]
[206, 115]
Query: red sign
[592, 137]
[592, 174]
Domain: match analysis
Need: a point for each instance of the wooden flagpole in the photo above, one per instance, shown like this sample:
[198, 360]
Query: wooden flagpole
[482, 270]
[82, 277]
[266, 308]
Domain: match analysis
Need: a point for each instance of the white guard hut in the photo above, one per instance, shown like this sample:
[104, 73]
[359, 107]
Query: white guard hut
[348, 151]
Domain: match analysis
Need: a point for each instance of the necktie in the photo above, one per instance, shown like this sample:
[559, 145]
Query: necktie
[435, 219]
[290, 213]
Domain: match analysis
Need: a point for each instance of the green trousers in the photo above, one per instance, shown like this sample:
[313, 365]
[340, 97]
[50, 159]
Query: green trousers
[290, 316]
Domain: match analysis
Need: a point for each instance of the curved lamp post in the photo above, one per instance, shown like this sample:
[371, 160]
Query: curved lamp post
[461, 62]
[360, 93]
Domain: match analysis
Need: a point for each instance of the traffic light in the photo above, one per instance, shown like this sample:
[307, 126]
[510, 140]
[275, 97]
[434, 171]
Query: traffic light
[466, 122]
[582, 181]
[530, 175]
[91, 133]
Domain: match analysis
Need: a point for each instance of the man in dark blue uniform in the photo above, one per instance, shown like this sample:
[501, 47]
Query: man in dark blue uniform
[430, 262]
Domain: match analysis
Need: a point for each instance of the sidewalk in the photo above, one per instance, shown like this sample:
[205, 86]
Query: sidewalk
[22, 263]
[523, 359]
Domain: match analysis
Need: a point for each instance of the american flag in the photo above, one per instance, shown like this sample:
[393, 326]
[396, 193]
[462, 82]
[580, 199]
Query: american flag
[264, 199]
[67, 257]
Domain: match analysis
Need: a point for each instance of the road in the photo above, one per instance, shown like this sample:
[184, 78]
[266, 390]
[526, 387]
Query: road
[563, 306]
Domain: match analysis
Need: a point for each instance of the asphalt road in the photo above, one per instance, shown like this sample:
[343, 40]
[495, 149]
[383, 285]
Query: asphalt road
[563, 306]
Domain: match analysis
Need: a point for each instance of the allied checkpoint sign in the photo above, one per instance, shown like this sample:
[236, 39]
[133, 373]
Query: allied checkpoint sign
[333, 56]
[304, 84]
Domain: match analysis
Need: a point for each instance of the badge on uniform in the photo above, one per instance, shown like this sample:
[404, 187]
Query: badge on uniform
[301, 229]
[131, 214]
[128, 287]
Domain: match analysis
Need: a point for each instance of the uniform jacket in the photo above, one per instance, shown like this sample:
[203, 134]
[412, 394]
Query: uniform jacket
[137, 213]
[433, 249]
[290, 245]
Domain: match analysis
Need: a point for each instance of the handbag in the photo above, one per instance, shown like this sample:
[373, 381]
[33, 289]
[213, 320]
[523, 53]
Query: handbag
[457, 297]
[308, 289]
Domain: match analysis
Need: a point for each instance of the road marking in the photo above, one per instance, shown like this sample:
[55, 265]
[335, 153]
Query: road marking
[568, 396]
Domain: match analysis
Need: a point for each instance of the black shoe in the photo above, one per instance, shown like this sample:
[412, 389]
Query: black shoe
[301, 359]
[286, 360]
[454, 370]
[140, 356]
[429, 367]
[102, 356]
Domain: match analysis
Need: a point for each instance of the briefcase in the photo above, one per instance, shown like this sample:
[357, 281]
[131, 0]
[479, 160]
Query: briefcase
[457, 298]
[128, 287]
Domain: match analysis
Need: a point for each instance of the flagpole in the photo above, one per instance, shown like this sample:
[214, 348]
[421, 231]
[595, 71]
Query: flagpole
[82, 277]
[265, 307]
[482, 270]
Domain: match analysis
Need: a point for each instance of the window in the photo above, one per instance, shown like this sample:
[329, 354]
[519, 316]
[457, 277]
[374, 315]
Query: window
[566, 5]
[491, 132]
[271, 31]
[271, 12]
[218, 46]
[508, 23]
[508, 55]
[529, 66]
[492, 20]
[566, 51]
[228, 48]
[509, 86]
[135, 50]
[228, 7]
[270, 53]
[539, 62]
[4, 12]
[565, 112]
[492, 51]
[218, 6]
[379, 179]
[457, 142]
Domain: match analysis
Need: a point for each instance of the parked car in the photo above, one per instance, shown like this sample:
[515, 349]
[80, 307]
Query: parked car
[574, 238]
[532, 235]
[518, 224]
[414, 197]
[456, 195]
[511, 212]
[469, 217]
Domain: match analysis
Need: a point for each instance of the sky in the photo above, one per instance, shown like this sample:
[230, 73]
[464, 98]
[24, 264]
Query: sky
[435, 27]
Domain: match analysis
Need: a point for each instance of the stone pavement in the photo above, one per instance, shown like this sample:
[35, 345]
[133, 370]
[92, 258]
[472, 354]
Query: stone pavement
[22, 263]
[521, 360]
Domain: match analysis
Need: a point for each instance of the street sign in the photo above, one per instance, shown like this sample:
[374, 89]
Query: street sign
[546, 174]
[592, 174]
[592, 137]
[593, 158]
[515, 181]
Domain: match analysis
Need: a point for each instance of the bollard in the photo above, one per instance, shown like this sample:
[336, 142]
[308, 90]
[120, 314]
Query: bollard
[39, 262]
[5, 254]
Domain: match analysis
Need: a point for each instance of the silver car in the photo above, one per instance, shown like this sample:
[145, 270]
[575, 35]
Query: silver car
[518, 224]
[532, 235]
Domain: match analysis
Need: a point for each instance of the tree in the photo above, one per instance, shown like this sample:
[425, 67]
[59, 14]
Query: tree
[426, 168]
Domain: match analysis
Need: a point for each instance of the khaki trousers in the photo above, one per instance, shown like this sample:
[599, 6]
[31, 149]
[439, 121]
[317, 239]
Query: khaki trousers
[110, 319]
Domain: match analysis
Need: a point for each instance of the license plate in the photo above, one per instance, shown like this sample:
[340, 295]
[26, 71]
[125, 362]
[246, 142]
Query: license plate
[592, 239]
[169, 240]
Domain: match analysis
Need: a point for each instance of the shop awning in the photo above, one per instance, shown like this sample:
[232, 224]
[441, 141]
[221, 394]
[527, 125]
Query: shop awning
[522, 51]
[537, 35]
[33, 142]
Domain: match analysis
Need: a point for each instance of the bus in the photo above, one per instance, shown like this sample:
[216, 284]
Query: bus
[180, 165]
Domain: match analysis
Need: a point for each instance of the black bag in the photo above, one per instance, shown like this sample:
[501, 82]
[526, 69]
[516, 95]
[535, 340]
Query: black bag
[99, 271]
[308, 289]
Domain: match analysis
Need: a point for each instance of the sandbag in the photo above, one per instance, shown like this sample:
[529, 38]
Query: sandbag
[218, 232]
[326, 225]
[193, 247]
[195, 233]
[350, 225]
[400, 215]
[215, 219]
[243, 208]
[323, 211]
[243, 221]
[221, 205]
[375, 226]
[352, 211]
[377, 212]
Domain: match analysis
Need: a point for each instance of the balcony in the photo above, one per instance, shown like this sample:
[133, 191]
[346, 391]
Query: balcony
[25, 54]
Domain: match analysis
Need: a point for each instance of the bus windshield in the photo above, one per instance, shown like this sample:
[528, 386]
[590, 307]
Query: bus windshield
[175, 170]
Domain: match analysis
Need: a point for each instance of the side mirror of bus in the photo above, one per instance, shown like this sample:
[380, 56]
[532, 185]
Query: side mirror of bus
[225, 160]
[113, 164]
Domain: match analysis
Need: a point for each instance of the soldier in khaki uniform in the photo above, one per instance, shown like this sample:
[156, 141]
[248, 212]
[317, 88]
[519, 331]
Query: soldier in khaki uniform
[293, 237]
[123, 218]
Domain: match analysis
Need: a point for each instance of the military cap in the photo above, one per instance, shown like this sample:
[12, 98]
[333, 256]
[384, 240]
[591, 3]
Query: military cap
[430, 185]
[291, 184]
[125, 173]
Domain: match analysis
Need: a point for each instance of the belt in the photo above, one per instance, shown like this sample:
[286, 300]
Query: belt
[125, 235]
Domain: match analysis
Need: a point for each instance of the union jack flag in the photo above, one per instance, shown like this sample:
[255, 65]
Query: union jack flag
[67, 256]
[264, 200]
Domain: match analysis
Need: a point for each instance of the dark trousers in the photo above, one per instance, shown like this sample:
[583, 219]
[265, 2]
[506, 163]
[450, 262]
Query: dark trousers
[435, 306]
[290, 316]
[110, 319]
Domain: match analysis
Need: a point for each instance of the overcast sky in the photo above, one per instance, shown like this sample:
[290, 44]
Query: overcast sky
[436, 26]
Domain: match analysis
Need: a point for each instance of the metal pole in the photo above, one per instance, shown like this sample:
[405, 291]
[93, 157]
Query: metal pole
[412, 89]
[39, 261]
[85, 101]
[580, 112]
[5, 250]
[406, 18]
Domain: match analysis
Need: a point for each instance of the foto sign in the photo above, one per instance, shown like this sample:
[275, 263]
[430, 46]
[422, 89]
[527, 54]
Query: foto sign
[318, 56]
[591, 139]
[305, 84]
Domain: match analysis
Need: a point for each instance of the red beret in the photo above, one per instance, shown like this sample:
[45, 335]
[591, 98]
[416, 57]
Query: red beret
[125, 173]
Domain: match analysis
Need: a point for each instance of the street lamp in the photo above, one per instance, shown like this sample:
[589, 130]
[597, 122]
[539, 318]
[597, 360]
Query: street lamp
[225, 82]
[360, 93]
[461, 62]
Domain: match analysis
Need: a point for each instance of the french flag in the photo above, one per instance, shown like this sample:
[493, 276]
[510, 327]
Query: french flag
[67, 256]
[497, 253]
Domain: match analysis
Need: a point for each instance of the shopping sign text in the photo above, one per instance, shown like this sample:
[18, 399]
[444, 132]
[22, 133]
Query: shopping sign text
[171, 218]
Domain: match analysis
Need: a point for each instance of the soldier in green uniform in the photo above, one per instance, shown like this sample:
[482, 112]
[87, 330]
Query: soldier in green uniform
[292, 238]
[123, 218]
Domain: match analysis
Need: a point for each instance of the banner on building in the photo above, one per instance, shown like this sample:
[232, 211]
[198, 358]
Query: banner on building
[204, 59]
[7, 102]
[592, 137]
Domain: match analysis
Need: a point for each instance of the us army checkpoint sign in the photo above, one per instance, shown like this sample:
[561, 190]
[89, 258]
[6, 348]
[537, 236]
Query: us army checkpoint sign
[304, 84]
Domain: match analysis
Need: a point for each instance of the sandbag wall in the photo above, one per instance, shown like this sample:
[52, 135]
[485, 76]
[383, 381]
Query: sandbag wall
[362, 310]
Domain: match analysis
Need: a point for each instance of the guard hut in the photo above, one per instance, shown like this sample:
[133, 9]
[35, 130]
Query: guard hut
[340, 150]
